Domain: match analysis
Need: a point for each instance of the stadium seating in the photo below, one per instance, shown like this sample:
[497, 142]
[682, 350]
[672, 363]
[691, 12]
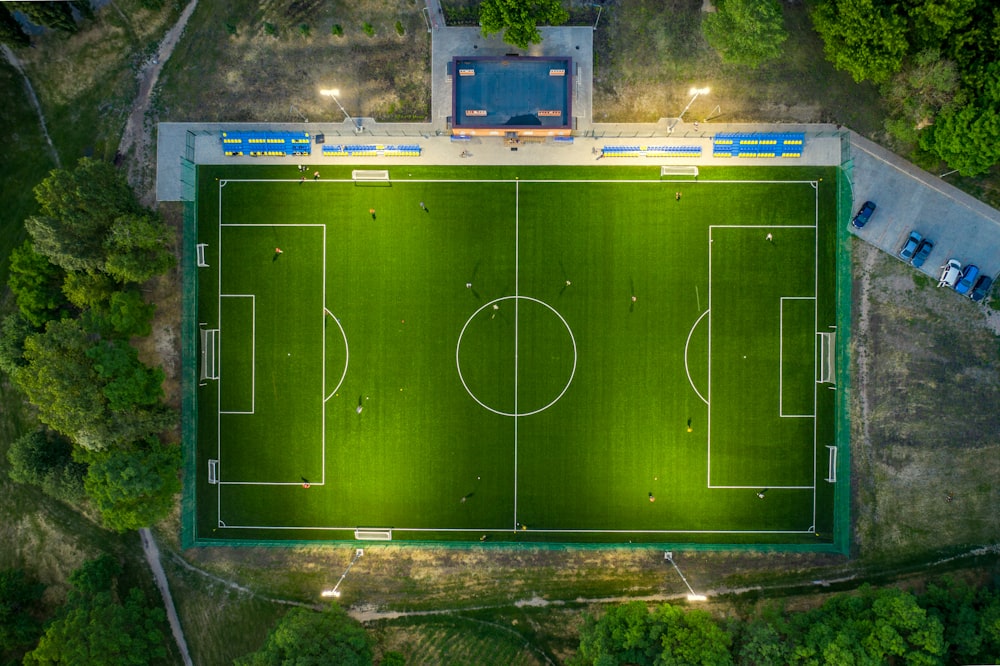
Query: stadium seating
[758, 144]
[372, 150]
[265, 144]
[651, 151]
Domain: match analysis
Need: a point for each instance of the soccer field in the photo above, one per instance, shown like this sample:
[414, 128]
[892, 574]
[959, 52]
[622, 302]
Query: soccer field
[517, 354]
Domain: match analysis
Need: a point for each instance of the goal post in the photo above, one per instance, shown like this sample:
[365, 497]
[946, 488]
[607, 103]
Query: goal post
[831, 475]
[372, 534]
[689, 171]
[213, 471]
[209, 363]
[827, 356]
[370, 175]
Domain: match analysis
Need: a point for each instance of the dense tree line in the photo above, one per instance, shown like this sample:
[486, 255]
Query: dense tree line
[76, 285]
[938, 62]
[949, 623]
[101, 622]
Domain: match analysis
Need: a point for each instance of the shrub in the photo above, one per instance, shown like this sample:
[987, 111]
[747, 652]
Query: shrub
[400, 29]
[304, 29]
[337, 30]
[270, 29]
[368, 29]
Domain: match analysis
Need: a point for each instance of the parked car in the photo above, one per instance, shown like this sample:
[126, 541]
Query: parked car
[924, 249]
[861, 219]
[982, 288]
[950, 273]
[969, 275]
[910, 246]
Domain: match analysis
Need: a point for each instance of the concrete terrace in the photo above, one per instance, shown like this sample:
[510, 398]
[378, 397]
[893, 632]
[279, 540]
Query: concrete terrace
[908, 197]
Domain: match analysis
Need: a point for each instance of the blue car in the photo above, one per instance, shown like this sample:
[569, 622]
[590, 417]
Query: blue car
[982, 288]
[969, 276]
[861, 219]
[924, 249]
[910, 246]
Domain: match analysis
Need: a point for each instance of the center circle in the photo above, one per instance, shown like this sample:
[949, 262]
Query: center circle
[532, 373]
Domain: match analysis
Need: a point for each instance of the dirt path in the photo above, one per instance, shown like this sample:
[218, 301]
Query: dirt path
[16, 64]
[152, 552]
[136, 146]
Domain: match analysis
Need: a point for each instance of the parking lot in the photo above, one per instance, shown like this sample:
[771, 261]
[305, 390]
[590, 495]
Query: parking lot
[909, 199]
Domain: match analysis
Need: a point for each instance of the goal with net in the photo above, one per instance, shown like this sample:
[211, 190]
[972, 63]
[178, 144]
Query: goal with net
[363, 534]
[688, 171]
[369, 175]
[827, 350]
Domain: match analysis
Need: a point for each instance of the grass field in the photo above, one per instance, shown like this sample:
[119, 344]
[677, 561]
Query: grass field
[572, 355]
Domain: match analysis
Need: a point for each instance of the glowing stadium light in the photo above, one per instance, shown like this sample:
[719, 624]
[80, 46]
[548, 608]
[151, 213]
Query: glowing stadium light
[333, 92]
[693, 596]
[335, 592]
[694, 92]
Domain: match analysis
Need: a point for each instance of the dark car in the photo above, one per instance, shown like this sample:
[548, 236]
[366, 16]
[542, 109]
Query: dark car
[982, 288]
[924, 249]
[861, 219]
[969, 276]
[910, 246]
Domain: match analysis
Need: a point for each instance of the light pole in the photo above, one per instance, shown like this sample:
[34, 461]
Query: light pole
[599, 10]
[694, 92]
[333, 92]
[693, 596]
[335, 592]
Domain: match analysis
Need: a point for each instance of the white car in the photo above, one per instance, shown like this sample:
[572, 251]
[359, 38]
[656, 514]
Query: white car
[950, 274]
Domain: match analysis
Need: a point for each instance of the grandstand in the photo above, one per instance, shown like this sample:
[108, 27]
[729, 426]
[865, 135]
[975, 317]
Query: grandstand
[371, 150]
[265, 144]
[651, 151]
[758, 144]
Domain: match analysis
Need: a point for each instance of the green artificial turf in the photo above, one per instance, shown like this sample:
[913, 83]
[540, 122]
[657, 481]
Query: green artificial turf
[532, 351]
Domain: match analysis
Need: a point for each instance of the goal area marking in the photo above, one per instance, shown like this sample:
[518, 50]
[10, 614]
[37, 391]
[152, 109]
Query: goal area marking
[691, 171]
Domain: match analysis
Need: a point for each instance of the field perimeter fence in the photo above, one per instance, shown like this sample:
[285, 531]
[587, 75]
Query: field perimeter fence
[842, 430]
[189, 352]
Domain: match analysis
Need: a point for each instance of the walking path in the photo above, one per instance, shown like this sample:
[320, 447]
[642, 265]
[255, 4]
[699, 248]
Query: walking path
[138, 135]
[16, 64]
[152, 552]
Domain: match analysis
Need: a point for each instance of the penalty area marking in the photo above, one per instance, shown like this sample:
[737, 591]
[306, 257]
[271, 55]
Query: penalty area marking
[686, 345]
[347, 352]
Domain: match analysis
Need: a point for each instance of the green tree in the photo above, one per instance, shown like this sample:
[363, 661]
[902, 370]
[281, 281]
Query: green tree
[57, 15]
[88, 290]
[45, 459]
[310, 638]
[918, 93]
[966, 138]
[127, 382]
[36, 284]
[935, 21]
[78, 209]
[60, 381]
[138, 247]
[14, 330]
[746, 32]
[519, 19]
[11, 32]
[630, 634]
[865, 39]
[20, 604]
[759, 643]
[134, 487]
[101, 627]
